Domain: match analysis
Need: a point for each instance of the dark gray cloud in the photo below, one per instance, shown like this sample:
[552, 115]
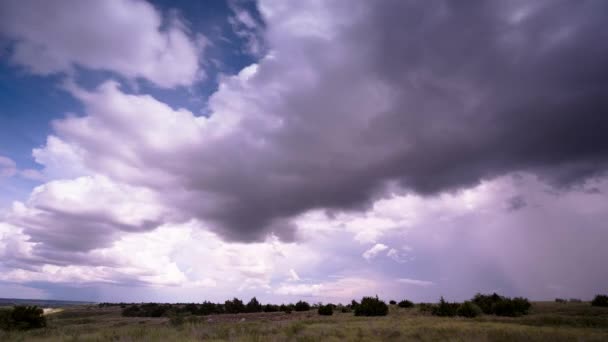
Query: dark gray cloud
[471, 95]
[431, 95]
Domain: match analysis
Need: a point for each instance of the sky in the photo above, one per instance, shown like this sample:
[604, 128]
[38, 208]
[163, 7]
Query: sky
[181, 151]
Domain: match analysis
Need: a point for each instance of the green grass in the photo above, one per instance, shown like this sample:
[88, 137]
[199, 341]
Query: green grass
[546, 322]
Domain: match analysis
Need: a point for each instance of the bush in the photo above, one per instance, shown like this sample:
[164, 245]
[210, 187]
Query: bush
[190, 308]
[425, 307]
[392, 302]
[560, 300]
[22, 318]
[326, 310]
[287, 308]
[371, 306]
[208, 308]
[445, 309]
[468, 309]
[502, 306]
[600, 300]
[486, 302]
[131, 311]
[234, 306]
[302, 306]
[406, 304]
[271, 308]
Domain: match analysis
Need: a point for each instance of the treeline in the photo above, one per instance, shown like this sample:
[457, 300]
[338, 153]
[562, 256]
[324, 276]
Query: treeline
[489, 304]
[233, 306]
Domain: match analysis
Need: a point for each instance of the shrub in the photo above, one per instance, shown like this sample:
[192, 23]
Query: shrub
[502, 306]
[131, 311]
[560, 300]
[326, 310]
[302, 306]
[271, 308]
[486, 302]
[425, 307]
[22, 318]
[392, 302]
[287, 308]
[445, 309]
[254, 305]
[371, 306]
[234, 306]
[406, 304]
[512, 307]
[468, 309]
[600, 300]
[208, 308]
[190, 308]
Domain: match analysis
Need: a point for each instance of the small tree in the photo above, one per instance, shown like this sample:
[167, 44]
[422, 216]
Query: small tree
[445, 309]
[371, 306]
[600, 300]
[254, 305]
[392, 302]
[234, 306]
[326, 310]
[302, 306]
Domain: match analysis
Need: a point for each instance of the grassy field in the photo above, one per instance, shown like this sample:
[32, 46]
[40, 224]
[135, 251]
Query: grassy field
[546, 322]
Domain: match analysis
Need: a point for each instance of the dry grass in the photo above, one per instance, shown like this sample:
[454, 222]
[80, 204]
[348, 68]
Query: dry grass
[547, 322]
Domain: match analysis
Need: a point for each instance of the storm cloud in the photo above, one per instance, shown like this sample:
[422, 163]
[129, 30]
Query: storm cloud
[356, 97]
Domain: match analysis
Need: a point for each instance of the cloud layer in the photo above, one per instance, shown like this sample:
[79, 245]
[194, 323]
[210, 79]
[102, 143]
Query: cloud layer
[374, 99]
[415, 145]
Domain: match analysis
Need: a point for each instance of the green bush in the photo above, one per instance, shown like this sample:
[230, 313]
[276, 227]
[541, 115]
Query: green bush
[302, 306]
[234, 306]
[406, 304]
[487, 302]
[445, 309]
[208, 308]
[495, 304]
[326, 310]
[468, 309]
[392, 302]
[600, 300]
[22, 318]
[371, 306]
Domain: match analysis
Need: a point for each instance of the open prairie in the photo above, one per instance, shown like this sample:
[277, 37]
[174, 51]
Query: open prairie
[547, 321]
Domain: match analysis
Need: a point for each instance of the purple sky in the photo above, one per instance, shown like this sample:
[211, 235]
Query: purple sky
[322, 150]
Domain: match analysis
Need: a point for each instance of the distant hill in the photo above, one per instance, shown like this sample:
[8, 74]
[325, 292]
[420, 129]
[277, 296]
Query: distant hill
[45, 303]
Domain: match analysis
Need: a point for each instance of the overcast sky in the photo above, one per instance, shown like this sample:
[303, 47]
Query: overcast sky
[317, 150]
